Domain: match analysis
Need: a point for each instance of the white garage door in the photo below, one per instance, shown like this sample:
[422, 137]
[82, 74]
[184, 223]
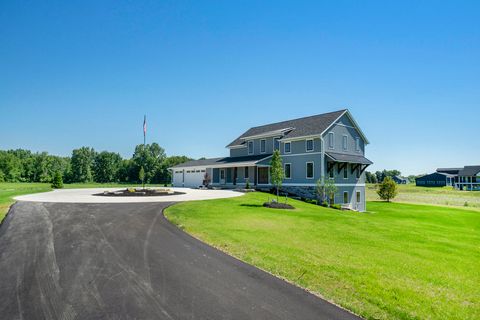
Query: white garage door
[192, 177]
[177, 178]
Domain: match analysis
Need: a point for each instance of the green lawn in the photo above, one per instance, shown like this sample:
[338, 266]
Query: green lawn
[9, 190]
[445, 196]
[398, 261]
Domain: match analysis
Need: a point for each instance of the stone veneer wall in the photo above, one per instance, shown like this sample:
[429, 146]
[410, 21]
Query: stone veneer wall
[308, 192]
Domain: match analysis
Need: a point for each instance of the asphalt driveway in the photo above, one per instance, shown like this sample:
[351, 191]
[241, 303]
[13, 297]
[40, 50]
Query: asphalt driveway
[126, 261]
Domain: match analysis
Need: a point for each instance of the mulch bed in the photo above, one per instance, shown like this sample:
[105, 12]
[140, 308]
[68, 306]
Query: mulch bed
[139, 193]
[277, 205]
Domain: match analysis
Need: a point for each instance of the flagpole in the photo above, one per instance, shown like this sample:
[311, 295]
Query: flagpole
[144, 146]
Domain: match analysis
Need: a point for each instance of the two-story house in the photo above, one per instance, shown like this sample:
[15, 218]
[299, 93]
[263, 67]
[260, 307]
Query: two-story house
[325, 146]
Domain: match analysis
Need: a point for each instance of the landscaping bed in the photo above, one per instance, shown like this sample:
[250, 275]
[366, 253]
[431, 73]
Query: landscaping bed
[139, 192]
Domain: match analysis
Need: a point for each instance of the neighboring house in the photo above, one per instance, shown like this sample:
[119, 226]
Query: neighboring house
[436, 179]
[400, 180]
[468, 179]
[325, 146]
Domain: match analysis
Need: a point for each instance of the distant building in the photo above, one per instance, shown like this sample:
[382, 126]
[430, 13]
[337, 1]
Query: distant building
[468, 178]
[400, 180]
[435, 179]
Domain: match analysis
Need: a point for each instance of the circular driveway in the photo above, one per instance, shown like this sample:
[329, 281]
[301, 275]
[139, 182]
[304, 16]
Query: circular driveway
[88, 196]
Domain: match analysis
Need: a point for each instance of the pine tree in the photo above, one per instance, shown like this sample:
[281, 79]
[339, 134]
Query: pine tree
[57, 182]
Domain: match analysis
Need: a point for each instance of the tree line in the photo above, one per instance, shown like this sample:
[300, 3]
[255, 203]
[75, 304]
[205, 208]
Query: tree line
[87, 165]
[379, 176]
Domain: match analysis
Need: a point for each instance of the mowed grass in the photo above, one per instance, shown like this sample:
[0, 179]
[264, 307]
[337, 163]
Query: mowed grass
[398, 261]
[444, 196]
[10, 190]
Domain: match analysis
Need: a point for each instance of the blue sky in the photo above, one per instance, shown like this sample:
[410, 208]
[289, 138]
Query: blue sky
[84, 73]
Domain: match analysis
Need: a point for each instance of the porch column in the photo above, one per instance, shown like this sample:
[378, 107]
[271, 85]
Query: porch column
[255, 175]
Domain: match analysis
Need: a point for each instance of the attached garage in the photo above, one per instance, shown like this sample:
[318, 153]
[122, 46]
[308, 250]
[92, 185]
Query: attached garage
[188, 177]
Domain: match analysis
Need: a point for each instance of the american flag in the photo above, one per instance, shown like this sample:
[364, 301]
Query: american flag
[144, 125]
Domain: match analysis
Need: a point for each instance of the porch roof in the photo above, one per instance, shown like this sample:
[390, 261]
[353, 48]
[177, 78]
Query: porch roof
[224, 162]
[349, 158]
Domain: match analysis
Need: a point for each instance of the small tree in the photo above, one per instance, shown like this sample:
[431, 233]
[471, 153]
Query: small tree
[57, 182]
[387, 190]
[276, 171]
[206, 179]
[247, 185]
[141, 176]
[326, 190]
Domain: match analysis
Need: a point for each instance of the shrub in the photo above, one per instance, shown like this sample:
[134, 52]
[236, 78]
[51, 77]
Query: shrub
[247, 186]
[57, 182]
[387, 190]
[465, 204]
[336, 206]
[324, 203]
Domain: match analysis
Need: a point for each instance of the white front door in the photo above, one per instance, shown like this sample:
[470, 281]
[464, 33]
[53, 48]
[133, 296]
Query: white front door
[222, 176]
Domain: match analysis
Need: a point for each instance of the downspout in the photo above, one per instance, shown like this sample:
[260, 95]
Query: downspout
[322, 160]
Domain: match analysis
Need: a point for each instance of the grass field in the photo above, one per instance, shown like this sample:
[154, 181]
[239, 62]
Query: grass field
[445, 196]
[10, 190]
[398, 261]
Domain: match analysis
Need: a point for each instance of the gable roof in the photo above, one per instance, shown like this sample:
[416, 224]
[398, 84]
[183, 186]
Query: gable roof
[301, 127]
[469, 171]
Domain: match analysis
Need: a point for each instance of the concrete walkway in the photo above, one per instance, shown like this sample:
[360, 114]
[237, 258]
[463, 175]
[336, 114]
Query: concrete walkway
[88, 196]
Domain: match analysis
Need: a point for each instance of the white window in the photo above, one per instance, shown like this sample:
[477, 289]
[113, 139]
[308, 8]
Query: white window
[345, 142]
[359, 197]
[309, 145]
[288, 170]
[357, 144]
[287, 147]
[263, 144]
[276, 144]
[345, 197]
[250, 147]
[331, 141]
[309, 169]
[345, 172]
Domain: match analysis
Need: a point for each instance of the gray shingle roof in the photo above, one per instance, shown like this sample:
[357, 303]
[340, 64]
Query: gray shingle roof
[221, 161]
[469, 171]
[306, 126]
[340, 157]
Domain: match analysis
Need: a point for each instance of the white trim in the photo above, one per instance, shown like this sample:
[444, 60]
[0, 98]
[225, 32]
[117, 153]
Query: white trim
[265, 149]
[345, 170]
[238, 146]
[299, 154]
[279, 144]
[285, 177]
[248, 146]
[332, 145]
[268, 134]
[354, 123]
[313, 170]
[313, 145]
[312, 136]
[314, 184]
[290, 144]
[357, 144]
[345, 192]
[345, 142]
[358, 192]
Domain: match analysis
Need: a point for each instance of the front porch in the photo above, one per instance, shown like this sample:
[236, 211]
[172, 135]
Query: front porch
[256, 176]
